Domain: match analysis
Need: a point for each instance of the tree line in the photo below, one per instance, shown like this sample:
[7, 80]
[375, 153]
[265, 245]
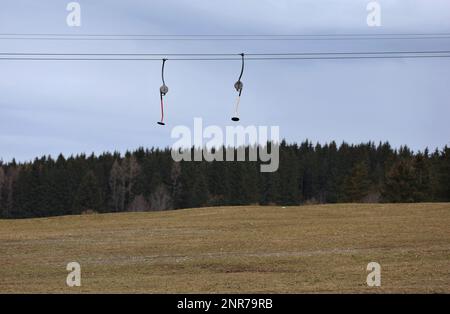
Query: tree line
[149, 180]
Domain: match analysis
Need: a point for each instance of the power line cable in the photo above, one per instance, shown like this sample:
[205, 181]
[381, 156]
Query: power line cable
[227, 39]
[224, 54]
[227, 59]
[223, 35]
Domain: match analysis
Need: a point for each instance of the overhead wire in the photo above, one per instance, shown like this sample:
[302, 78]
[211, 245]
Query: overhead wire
[225, 54]
[227, 35]
[229, 59]
[222, 37]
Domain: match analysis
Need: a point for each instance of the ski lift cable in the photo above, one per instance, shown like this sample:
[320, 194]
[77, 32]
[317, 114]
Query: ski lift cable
[441, 55]
[224, 37]
[223, 54]
[227, 35]
[227, 38]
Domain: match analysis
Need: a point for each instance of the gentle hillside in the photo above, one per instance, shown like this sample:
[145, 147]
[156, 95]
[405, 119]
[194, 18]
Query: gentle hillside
[149, 180]
[233, 249]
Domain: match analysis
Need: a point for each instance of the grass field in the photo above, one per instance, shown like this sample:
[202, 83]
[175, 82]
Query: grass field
[322, 248]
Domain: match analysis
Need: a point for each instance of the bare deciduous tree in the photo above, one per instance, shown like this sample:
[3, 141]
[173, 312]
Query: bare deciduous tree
[139, 204]
[131, 171]
[121, 181]
[161, 199]
[175, 178]
[117, 185]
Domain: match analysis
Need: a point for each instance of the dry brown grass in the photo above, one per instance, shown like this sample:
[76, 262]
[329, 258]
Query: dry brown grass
[232, 249]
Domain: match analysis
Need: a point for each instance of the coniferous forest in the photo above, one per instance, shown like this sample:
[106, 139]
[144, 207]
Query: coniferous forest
[149, 180]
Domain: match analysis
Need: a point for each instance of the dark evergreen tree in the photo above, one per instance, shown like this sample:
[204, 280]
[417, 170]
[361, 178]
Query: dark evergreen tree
[422, 178]
[400, 185]
[88, 196]
[357, 184]
[443, 175]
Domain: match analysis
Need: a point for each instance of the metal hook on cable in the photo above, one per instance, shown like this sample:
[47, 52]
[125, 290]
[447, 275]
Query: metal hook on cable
[163, 90]
[238, 86]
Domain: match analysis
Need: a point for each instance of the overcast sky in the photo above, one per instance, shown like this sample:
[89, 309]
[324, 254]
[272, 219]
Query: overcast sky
[73, 107]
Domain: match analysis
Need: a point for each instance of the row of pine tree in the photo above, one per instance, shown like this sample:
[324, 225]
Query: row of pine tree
[148, 179]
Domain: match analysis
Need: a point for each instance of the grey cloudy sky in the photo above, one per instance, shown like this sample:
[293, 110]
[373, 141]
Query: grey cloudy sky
[73, 107]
